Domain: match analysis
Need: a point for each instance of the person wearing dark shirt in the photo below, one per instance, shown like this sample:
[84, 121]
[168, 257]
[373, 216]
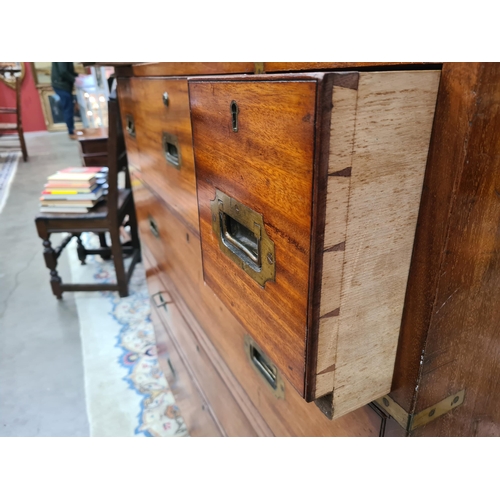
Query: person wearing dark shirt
[63, 78]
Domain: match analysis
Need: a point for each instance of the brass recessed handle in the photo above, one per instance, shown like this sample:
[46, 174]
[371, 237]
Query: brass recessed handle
[171, 149]
[264, 367]
[153, 227]
[235, 234]
[130, 125]
[160, 299]
[243, 238]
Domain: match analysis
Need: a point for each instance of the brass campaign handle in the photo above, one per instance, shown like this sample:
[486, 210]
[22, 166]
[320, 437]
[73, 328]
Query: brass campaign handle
[264, 367]
[243, 238]
[153, 227]
[171, 150]
[130, 126]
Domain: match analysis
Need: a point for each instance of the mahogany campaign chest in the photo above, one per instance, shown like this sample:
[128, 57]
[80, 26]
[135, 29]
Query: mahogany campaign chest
[298, 224]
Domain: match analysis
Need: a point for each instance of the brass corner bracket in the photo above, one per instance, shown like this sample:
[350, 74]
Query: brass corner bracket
[410, 421]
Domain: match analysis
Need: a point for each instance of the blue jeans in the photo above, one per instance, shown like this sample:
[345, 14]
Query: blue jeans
[67, 108]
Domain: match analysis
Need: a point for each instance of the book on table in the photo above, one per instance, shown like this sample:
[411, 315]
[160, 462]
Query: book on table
[67, 210]
[72, 194]
[83, 170]
[70, 203]
[74, 189]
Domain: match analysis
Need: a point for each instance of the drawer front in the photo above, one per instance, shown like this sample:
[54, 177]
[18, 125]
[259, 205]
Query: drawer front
[180, 270]
[94, 146]
[254, 150]
[286, 413]
[193, 407]
[225, 410]
[95, 160]
[129, 101]
[165, 142]
[168, 239]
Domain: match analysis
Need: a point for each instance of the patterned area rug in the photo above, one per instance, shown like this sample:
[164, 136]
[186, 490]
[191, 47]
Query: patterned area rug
[127, 393]
[8, 167]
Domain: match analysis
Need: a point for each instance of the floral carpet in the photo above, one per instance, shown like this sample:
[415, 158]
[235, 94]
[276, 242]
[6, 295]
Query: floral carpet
[127, 393]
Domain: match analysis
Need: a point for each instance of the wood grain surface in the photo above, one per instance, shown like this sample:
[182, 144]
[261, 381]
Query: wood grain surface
[128, 98]
[273, 67]
[176, 186]
[393, 109]
[268, 166]
[290, 416]
[226, 412]
[462, 345]
[222, 404]
[456, 105]
[227, 68]
[180, 269]
[193, 407]
[342, 127]
[191, 68]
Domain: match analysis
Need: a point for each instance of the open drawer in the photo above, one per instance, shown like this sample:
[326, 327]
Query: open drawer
[308, 192]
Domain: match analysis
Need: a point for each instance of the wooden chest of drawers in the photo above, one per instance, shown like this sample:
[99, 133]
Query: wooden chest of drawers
[279, 216]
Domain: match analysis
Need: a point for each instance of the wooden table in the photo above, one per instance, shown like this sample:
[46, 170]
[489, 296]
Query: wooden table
[93, 146]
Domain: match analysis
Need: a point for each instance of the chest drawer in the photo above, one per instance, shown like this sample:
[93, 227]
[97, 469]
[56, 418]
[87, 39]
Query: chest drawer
[308, 193]
[128, 98]
[194, 408]
[165, 143]
[179, 267]
[228, 415]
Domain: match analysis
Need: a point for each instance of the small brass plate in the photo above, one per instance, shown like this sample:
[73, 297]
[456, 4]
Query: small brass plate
[247, 244]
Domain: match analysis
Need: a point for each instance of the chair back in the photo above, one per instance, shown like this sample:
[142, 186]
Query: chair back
[117, 158]
[18, 102]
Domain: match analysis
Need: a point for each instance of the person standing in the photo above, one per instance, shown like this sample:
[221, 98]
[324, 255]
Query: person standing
[63, 78]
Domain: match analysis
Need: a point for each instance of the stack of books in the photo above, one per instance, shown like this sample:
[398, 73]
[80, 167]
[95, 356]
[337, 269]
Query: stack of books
[74, 190]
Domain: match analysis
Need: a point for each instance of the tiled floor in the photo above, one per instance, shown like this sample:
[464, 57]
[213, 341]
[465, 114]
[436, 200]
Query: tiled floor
[41, 372]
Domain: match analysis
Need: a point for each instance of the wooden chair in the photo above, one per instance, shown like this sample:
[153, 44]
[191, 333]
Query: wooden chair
[108, 215]
[18, 126]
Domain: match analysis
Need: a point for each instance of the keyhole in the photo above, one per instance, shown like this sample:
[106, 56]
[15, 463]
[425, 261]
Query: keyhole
[234, 114]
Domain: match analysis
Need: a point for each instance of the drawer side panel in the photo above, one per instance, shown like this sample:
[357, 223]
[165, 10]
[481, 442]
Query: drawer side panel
[393, 122]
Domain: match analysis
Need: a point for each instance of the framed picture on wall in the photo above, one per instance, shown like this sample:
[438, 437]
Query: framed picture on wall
[52, 111]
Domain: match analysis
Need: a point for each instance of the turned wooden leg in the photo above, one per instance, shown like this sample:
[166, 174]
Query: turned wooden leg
[136, 245]
[104, 244]
[116, 251]
[49, 254]
[24, 149]
[80, 249]
[102, 240]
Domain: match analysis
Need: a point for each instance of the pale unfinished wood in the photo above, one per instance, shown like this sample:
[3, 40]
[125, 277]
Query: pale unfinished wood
[340, 164]
[392, 126]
